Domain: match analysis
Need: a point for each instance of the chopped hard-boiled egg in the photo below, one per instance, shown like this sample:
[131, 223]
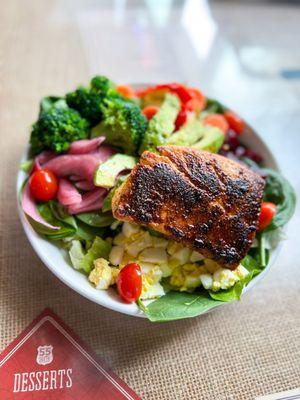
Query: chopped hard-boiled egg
[206, 280]
[103, 276]
[195, 256]
[159, 242]
[160, 258]
[154, 255]
[141, 242]
[225, 278]
[129, 229]
[182, 255]
[120, 239]
[187, 277]
[151, 276]
[116, 255]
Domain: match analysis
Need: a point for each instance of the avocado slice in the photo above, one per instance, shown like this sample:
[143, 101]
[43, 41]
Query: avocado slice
[211, 141]
[198, 136]
[189, 134]
[162, 124]
[108, 171]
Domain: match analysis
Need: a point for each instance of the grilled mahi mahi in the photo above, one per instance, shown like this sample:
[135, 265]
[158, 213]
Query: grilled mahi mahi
[202, 200]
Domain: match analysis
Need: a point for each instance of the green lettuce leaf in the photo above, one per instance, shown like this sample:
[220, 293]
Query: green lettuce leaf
[279, 191]
[96, 219]
[86, 232]
[67, 227]
[26, 166]
[235, 292]
[179, 305]
[83, 260]
[107, 201]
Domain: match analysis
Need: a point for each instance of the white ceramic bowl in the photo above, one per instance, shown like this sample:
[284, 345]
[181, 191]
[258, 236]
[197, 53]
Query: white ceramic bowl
[56, 259]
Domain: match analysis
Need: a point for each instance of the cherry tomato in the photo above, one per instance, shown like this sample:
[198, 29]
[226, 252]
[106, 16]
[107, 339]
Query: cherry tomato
[43, 185]
[150, 111]
[129, 282]
[218, 121]
[235, 122]
[126, 91]
[181, 118]
[266, 215]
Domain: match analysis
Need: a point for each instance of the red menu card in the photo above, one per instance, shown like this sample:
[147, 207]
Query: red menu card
[48, 361]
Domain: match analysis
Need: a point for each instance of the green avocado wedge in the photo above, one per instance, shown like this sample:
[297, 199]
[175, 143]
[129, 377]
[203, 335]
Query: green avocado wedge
[197, 135]
[188, 135]
[161, 125]
[212, 140]
[108, 171]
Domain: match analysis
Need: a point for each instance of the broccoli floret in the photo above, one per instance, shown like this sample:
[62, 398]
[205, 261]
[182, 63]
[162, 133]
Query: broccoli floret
[103, 86]
[123, 124]
[56, 128]
[88, 101]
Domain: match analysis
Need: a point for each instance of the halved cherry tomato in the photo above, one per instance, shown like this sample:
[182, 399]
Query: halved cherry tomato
[235, 122]
[150, 111]
[218, 121]
[267, 212]
[129, 282]
[126, 91]
[43, 185]
[181, 118]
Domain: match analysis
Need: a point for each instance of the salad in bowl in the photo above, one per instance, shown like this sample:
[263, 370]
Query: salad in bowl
[154, 195]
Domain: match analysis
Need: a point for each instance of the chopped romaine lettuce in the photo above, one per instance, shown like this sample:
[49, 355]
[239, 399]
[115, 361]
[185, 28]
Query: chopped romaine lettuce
[83, 260]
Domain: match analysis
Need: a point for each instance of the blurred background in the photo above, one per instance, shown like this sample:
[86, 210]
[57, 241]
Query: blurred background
[243, 52]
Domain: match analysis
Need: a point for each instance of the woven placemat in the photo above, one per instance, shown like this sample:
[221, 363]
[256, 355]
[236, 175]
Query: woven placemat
[241, 351]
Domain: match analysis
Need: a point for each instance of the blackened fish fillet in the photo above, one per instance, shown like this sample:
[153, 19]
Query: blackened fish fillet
[202, 200]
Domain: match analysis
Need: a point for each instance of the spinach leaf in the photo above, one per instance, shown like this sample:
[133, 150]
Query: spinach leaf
[66, 228]
[252, 265]
[235, 292]
[262, 250]
[61, 214]
[279, 191]
[70, 227]
[96, 219]
[107, 201]
[214, 106]
[87, 233]
[178, 305]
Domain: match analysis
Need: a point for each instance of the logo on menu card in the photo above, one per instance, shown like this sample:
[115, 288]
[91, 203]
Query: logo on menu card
[43, 380]
[44, 355]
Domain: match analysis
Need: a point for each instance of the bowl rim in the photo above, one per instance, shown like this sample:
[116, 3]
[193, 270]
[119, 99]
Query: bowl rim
[90, 292]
